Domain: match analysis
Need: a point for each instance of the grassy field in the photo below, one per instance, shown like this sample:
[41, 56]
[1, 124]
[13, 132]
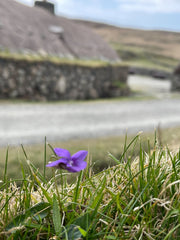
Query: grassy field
[138, 198]
[98, 150]
[150, 49]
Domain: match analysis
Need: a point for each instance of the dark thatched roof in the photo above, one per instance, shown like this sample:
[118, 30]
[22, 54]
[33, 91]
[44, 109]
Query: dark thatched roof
[32, 29]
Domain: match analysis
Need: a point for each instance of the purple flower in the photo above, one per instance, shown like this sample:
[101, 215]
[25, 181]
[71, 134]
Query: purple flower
[74, 163]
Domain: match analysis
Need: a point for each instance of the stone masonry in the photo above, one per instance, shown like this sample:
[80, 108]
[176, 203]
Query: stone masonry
[43, 80]
[175, 81]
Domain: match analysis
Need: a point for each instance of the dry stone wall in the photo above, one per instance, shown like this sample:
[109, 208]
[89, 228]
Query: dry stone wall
[50, 81]
[175, 80]
[155, 73]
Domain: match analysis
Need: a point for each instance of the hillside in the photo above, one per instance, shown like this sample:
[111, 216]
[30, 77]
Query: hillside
[32, 30]
[153, 49]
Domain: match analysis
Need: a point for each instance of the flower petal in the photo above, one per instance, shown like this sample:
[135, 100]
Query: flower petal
[62, 153]
[79, 157]
[76, 168]
[57, 164]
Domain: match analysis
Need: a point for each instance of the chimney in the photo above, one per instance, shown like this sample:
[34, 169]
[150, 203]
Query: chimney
[46, 5]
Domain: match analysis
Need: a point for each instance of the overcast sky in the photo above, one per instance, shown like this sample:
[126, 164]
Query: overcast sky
[146, 14]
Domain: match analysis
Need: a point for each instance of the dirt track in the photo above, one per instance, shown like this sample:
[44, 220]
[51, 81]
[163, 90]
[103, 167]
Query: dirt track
[30, 123]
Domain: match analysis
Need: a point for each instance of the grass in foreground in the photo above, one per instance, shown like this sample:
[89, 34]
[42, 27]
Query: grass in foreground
[139, 198]
[98, 150]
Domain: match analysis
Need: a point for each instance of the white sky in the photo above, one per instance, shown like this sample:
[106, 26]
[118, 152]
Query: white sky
[150, 14]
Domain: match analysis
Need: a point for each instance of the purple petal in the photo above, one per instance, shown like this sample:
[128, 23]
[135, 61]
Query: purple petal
[79, 156]
[62, 153]
[76, 168]
[58, 163]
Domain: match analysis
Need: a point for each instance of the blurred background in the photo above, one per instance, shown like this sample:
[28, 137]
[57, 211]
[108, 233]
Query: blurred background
[85, 73]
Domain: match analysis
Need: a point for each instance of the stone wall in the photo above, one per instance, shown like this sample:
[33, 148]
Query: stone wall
[155, 73]
[175, 80]
[43, 80]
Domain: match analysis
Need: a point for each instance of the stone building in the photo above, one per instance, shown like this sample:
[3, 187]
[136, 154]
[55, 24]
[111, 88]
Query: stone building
[175, 81]
[35, 30]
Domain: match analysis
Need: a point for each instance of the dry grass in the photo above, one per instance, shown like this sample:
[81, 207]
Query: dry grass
[136, 199]
[146, 48]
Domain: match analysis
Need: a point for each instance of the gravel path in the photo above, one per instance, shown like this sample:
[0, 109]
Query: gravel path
[149, 86]
[30, 123]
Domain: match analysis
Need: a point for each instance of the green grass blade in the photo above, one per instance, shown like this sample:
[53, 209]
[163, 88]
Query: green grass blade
[171, 232]
[128, 146]
[77, 188]
[6, 163]
[44, 158]
[24, 152]
[114, 158]
[56, 216]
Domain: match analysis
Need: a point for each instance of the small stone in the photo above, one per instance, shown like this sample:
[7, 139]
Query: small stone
[61, 85]
[43, 89]
[21, 72]
[5, 73]
[11, 83]
[13, 94]
[93, 93]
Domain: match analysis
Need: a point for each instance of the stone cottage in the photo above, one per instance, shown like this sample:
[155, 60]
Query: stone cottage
[36, 31]
[175, 82]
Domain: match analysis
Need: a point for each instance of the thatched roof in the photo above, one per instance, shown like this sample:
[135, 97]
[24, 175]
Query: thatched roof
[33, 29]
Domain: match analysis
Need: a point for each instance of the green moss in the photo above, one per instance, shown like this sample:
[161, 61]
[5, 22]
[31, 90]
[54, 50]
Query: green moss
[56, 60]
[119, 84]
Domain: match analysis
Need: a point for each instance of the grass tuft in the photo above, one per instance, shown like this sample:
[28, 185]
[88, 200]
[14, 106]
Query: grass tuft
[138, 198]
